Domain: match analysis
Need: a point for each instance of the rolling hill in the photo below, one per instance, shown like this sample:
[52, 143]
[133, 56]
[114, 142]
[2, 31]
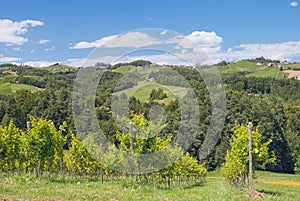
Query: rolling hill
[10, 88]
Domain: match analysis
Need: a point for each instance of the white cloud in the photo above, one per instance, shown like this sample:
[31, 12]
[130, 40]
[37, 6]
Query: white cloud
[157, 58]
[164, 32]
[8, 59]
[50, 49]
[196, 38]
[32, 51]
[294, 4]
[39, 63]
[202, 38]
[18, 49]
[278, 51]
[198, 47]
[130, 39]
[11, 31]
[43, 41]
[208, 55]
[89, 61]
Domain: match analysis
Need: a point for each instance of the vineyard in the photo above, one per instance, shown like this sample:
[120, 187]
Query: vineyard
[39, 150]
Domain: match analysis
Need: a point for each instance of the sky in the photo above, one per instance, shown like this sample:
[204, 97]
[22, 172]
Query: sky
[40, 33]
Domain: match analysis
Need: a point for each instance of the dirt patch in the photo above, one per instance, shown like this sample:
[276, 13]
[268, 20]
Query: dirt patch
[292, 73]
[257, 195]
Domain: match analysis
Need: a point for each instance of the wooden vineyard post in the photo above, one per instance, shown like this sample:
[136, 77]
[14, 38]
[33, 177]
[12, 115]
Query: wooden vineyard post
[28, 125]
[250, 126]
[61, 159]
[131, 137]
[35, 169]
[102, 175]
[131, 142]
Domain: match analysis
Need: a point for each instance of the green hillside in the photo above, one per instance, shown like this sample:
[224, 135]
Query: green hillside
[58, 68]
[123, 69]
[9, 88]
[251, 69]
[143, 89]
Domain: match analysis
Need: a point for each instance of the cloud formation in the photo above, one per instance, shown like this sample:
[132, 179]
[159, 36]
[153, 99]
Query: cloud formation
[294, 4]
[279, 51]
[199, 47]
[50, 49]
[8, 59]
[11, 31]
[206, 39]
[43, 41]
[131, 39]
[39, 63]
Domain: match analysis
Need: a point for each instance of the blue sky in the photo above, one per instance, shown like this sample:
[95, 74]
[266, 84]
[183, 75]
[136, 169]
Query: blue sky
[43, 32]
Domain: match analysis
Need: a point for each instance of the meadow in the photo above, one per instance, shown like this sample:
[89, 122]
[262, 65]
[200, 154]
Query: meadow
[9, 88]
[50, 187]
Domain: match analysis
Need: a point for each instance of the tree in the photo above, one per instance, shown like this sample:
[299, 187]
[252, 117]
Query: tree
[235, 169]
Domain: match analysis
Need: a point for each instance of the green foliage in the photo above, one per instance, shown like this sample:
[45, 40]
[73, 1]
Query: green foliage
[77, 158]
[158, 94]
[44, 145]
[40, 148]
[292, 128]
[11, 148]
[9, 89]
[145, 136]
[236, 167]
[146, 141]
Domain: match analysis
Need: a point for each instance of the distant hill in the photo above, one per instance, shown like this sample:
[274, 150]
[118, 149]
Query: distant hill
[58, 68]
[253, 69]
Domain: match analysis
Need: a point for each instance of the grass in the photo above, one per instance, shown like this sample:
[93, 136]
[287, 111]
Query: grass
[215, 189]
[143, 89]
[269, 72]
[253, 70]
[124, 69]
[10, 88]
[241, 66]
[58, 68]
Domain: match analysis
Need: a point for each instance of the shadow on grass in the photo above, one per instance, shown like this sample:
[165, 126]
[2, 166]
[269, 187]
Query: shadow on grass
[270, 192]
[184, 186]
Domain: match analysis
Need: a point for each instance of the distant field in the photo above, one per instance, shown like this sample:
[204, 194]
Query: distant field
[241, 66]
[252, 69]
[268, 72]
[124, 69]
[277, 187]
[143, 89]
[9, 88]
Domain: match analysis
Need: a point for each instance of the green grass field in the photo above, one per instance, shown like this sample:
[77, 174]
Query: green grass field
[279, 187]
[143, 89]
[253, 70]
[9, 88]
[269, 72]
[241, 66]
[124, 69]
